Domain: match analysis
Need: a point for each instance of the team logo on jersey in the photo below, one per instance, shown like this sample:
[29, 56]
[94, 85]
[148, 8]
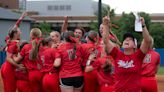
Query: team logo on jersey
[147, 58]
[70, 54]
[125, 64]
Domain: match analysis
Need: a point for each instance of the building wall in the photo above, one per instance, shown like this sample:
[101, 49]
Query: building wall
[62, 7]
[5, 25]
[10, 4]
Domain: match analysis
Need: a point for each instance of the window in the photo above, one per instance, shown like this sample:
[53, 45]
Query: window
[56, 7]
[49, 7]
[59, 7]
[68, 7]
[62, 7]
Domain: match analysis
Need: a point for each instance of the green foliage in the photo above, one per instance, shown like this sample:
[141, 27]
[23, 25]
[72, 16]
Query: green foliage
[156, 30]
[94, 26]
[44, 27]
[126, 24]
[106, 11]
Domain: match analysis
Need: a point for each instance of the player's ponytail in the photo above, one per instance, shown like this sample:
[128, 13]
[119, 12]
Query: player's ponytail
[70, 37]
[36, 35]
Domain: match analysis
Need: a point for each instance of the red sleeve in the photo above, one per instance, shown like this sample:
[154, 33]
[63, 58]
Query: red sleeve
[57, 53]
[13, 48]
[140, 55]
[115, 52]
[85, 54]
[22, 52]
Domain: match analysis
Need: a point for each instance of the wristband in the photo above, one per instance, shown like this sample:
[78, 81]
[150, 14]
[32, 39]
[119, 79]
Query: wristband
[143, 26]
[88, 63]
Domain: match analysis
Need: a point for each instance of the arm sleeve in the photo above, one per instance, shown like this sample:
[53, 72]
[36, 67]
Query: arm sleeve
[13, 49]
[57, 53]
[140, 55]
[115, 52]
[85, 55]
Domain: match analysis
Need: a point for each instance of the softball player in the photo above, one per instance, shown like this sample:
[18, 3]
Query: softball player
[128, 63]
[149, 69]
[70, 74]
[30, 54]
[8, 68]
[22, 81]
[50, 80]
[92, 46]
[105, 73]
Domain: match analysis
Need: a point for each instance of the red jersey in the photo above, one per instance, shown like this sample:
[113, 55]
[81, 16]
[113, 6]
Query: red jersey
[21, 74]
[47, 58]
[150, 63]
[90, 48]
[69, 67]
[103, 77]
[29, 64]
[41, 50]
[12, 47]
[127, 70]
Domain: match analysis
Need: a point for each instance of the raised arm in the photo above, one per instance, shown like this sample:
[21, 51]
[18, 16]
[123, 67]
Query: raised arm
[108, 44]
[65, 25]
[146, 38]
[20, 19]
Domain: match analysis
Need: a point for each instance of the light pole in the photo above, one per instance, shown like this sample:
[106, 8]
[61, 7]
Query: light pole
[99, 15]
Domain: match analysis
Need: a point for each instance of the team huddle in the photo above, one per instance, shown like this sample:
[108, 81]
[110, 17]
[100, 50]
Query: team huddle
[75, 61]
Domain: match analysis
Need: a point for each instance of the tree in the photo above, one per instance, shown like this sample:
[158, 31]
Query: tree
[106, 10]
[44, 27]
[156, 30]
[126, 24]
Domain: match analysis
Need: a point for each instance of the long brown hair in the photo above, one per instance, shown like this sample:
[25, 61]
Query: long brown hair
[11, 33]
[36, 33]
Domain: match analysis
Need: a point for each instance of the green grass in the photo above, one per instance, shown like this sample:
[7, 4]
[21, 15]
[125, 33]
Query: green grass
[161, 71]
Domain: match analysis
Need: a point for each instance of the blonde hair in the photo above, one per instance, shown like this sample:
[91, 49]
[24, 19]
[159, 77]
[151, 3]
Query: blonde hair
[55, 32]
[36, 33]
